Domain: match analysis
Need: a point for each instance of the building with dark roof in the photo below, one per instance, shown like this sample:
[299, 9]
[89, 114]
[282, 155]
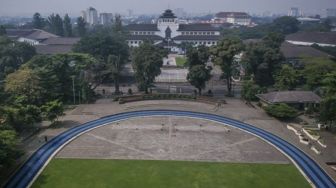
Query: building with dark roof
[310, 38]
[291, 51]
[168, 32]
[31, 36]
[56, 45]
[298, 99]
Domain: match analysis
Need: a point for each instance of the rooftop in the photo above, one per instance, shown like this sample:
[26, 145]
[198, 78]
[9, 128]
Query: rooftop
[53, 49]
[197, 27]
[293, 51]
[142, 27]
[61, 41]
[168, 14]
[198, 37]
[144, 37]
[35, 34]
[290, 97]
[313, 37]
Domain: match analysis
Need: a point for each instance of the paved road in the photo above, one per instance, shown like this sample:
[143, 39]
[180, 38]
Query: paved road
[28, 172]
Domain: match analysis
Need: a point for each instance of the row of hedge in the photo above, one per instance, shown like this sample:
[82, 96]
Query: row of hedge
[123, 100]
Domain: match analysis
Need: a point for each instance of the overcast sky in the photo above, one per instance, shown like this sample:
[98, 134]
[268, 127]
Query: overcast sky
[73, 7]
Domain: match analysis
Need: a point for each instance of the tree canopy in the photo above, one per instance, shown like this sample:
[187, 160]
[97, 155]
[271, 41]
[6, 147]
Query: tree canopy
[147, 61]
[225, 56]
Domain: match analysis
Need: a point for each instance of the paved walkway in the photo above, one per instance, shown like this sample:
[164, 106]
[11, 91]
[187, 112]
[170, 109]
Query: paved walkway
[235, 109]
[172, 138]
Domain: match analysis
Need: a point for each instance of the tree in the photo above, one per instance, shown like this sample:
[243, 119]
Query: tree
[287, 78]
[282, 111]
[262, 60]
[250, 90]
[114, 65]
[224, 54]
[22, 115]
[55, 24]
[328, 110]
[314, 73]
[197, 56]
[117, 25]
[81, 27]
[329, 84]
[8, 147]
[67, 26]
[273, 40]
[103, 46]
[286, 25]
[55, 73]
[198, 75]
[52, 110]
[13, 55]
[2, 30]
[38, 21]
[147, 63]
[23, 82]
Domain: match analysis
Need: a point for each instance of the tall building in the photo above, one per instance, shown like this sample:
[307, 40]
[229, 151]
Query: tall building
[331, 13]
[84, 15]
[92, 16]
[105, 18]
[294, 12]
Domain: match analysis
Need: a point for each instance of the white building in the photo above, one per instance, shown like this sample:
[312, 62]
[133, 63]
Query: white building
[294, 12]
[235, 18]
[91, 16]
[105, 18]
[169, 33]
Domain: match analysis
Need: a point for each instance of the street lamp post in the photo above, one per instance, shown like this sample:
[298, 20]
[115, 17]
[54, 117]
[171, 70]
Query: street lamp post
[72, 64]
[73, 89]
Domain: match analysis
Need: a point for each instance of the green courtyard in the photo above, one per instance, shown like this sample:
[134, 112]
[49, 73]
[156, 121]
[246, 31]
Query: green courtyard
[83, 173]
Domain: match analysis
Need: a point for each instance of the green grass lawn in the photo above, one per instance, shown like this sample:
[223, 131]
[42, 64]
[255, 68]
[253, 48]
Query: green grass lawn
[162, 174]
[180, 61]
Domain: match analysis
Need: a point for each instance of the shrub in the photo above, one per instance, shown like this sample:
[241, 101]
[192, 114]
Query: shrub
[282, 111]
[130, 92]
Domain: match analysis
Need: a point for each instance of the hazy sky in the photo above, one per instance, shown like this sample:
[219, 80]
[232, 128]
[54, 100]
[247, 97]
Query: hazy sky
[73, 7]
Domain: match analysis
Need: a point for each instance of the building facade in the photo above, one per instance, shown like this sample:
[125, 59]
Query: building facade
[90, 16]
[105, 18]
[235, 18]
[294, 12]
[169, 33]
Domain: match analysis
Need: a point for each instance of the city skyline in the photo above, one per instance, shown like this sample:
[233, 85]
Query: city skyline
[11, 8]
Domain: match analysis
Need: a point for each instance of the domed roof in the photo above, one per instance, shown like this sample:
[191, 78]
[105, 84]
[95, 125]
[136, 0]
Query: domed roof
[168, 14]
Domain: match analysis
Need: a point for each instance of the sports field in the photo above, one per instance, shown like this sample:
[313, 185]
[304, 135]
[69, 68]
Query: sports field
[84, 173]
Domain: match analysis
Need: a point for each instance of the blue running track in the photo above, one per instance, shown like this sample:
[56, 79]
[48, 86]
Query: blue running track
[28, 172]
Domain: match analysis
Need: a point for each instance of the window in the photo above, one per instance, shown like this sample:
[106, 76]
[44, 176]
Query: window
[208, 33]
[136, 33]
[212, 33]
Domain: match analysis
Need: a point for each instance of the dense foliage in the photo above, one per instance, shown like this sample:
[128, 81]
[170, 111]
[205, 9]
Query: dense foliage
[147, 63]
[225, 57]
[281, 111]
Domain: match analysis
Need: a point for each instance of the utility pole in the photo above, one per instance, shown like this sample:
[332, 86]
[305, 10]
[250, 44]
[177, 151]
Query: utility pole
[73, 89]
